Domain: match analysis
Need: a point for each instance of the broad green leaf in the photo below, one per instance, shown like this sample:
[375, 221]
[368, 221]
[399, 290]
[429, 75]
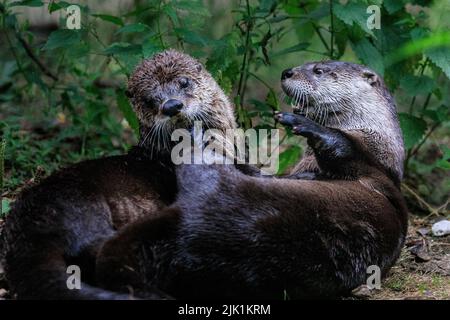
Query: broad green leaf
[444, 162]
[192, 37]
[109, 18]
[288, 158]
[392, 6]
[413, 129]
[353, 13]
[195, 7]
[171, 12]
[127, 111]
[341, 39]
[123, 47]
[441, 58]
[369, 55]
[28, 3]
[62, 38]
[441, 114]
[149, 48]
[55, 6]
[435, 46]
[266, 5]
[296, 48]
[416, 85]
[133, 28]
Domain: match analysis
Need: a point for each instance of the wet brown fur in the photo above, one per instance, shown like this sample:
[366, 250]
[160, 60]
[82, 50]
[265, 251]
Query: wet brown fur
[64, 219]
[230, 235]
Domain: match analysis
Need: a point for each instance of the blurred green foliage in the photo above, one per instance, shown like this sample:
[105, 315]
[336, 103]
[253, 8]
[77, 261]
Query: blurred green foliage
[62, 91]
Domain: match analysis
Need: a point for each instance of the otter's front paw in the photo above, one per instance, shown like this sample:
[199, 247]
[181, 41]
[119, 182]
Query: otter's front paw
[300, 125]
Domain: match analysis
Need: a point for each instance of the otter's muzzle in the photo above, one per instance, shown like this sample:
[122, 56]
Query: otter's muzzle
[172, 107]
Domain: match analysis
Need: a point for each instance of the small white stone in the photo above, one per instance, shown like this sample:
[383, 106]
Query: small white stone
[441, 228]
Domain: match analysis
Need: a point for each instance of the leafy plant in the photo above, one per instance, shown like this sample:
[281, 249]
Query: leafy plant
[62, 93]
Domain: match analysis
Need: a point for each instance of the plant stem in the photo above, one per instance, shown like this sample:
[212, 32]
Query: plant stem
[242, 115]
[158, 25]
[331, 30]
[421, 73]
[317, 30]
[244, 59]
[2, 171]
[416, 149]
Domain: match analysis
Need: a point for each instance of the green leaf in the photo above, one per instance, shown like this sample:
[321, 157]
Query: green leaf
[441, 114]
[28, 3]
[62, 38]
[123, 48]
[444, 162]
[392, 6]
[133, 28]
[369, 55]
[441, 58]
[272, 101]
[296, 48]
[288, 158]
[416, 85]
[435, 46]
[55, 6]
[149, 48]
[109, 18]
[266, 5]
[127, 111]
[353, 13]
[172, 13]
[413, 129]
[192, 6]
[192, 37]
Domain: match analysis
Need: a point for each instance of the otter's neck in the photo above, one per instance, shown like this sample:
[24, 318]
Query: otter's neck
[375, 124]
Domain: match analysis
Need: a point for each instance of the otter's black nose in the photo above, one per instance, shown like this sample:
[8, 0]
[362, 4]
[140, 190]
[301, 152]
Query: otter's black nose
[287, 74]
[171, 107]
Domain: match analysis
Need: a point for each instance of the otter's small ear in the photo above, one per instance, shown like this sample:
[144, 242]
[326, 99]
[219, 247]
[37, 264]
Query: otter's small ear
[128, 93]
[371, 78]
[199, 67]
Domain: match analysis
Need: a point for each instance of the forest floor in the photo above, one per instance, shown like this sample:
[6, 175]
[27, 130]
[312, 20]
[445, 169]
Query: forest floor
[422, 271]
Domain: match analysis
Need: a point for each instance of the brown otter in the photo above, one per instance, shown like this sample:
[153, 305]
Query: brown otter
[230, 235]
[63, 220]
[353, 99]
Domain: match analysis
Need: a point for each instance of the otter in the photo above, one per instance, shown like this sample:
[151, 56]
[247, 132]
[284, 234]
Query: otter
[231, 235]
[65, 219]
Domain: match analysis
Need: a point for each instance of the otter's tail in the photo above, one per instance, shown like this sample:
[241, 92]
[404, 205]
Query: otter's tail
[39, 271]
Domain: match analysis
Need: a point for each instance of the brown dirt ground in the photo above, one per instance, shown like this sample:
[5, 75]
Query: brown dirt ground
[422, 271]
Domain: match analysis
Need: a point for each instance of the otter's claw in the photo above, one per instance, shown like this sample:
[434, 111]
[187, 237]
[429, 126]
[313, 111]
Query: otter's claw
[300, 125]
[288, 118]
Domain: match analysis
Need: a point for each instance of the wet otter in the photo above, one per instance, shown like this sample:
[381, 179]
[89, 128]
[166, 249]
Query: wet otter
[230, 235]
[63, 220]
[353, 99]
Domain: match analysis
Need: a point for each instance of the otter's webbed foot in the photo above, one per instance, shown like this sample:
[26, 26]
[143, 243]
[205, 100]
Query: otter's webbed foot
[300, 125]
[333, 149]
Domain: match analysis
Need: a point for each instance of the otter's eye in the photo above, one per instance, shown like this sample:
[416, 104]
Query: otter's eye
[184, 82]
[318, 71]
[149, 101]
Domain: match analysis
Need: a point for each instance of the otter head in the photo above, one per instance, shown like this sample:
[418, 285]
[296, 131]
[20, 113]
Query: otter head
[352, 98]
[172, 90]
[338, 94]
